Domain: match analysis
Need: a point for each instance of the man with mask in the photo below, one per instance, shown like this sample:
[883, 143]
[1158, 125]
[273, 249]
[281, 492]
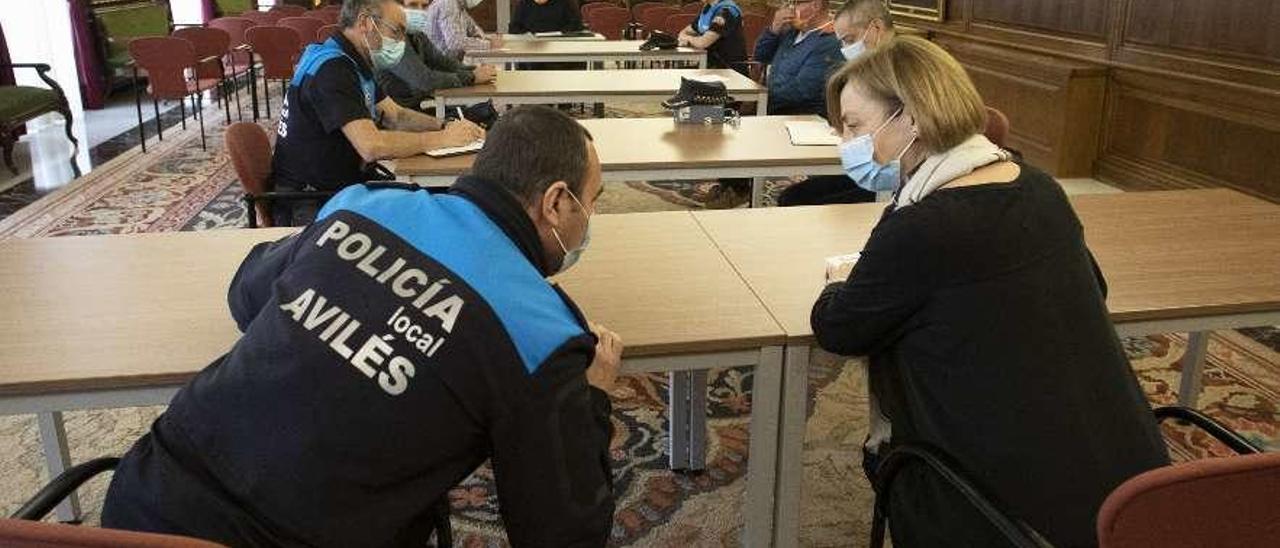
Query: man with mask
[449, 26]
[801, 50]
[859, 26]
[331, 132]
[389, 349]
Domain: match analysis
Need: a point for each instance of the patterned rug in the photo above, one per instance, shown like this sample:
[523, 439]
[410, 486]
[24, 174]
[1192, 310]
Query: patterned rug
[178, 186]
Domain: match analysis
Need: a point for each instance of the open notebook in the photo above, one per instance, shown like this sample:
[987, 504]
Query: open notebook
[812, 133]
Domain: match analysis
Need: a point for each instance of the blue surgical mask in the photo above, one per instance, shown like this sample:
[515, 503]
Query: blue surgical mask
[415, 19]
[856, 49]
[571, 256]
[388, 55]
[857, 156]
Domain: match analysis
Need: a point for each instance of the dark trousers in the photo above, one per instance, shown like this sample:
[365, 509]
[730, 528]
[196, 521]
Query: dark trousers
[825, 189]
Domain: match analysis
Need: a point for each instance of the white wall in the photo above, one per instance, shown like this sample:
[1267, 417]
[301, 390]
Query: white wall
[186, 11]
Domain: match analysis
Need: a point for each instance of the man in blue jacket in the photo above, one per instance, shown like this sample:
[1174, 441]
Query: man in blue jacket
[389, 349]
[801, 50]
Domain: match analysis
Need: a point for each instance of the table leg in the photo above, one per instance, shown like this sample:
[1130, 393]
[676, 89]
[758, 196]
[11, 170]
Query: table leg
[678, 416]
[1193, 368]
[53, 439]
[757, 191]
[762, 459]
[441, 106]
[762, 105]
[795, 395]
[697, 420]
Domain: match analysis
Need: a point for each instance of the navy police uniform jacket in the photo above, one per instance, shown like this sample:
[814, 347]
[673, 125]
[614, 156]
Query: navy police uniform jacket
[389, 349]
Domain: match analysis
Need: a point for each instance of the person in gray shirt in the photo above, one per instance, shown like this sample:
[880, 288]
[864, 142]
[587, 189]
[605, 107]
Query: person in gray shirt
[424, 69]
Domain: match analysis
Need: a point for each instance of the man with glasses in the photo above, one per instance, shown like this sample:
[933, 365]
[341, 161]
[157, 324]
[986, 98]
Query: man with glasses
[860, 25]
[336, 123]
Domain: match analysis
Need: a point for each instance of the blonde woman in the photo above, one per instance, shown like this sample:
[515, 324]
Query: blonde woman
[982, 312]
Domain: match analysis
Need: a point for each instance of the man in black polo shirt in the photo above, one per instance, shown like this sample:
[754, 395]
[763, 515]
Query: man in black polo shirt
[330, 130]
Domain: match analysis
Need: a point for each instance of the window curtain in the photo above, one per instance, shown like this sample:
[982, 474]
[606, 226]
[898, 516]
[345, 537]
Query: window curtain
[93, 83]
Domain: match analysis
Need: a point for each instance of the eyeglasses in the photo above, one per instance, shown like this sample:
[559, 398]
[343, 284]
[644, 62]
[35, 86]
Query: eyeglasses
[397, 33]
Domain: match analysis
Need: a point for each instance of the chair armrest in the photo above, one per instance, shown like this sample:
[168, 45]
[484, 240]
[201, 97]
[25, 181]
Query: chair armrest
[67, 482]
[1018, 534]
[1214, 428]
[42, 70]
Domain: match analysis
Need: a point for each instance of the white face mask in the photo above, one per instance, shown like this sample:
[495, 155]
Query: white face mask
[856, 49]
[571, 256]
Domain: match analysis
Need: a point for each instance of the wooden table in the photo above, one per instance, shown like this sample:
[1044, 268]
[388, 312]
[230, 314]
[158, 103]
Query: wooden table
[647, 149]
[542, 87]
[546, 51]
[116, 321]
[1193, 260]
[529, 37]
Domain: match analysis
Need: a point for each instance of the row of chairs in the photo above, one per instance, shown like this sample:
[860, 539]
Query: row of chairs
[611, 20]
[193, 60]
[1210, 502]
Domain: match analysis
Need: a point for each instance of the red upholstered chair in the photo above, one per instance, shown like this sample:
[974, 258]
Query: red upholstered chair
[36, 534]
[609, 21]
[654, 18]
[691, 8]
[327, 31]
[167, 62]
[586, 9]
[250, 152]
[306, 27]
[329, 16]
[1210, 502]
[286, 10]
[753, 26]
[279, 49]
[24, 530]
[638, 10]
[212, 47]
[675, 23]
[997, 127]
[262, 17]
[238, 62]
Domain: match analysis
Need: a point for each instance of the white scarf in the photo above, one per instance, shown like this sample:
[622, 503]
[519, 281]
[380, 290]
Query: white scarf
[942, 168]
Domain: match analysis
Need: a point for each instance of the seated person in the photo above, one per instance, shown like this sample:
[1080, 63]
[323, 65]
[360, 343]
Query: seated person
[329, 134]
[383, 361]
[452, 29]
[718, 30]
[545, 16]
[801, 51]
[983, 314]
[424, 69]
[859, 26]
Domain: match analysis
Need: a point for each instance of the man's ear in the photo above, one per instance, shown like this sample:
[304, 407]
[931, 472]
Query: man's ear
[550, 207]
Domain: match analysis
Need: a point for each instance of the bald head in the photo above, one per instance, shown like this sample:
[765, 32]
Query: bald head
[868, 21]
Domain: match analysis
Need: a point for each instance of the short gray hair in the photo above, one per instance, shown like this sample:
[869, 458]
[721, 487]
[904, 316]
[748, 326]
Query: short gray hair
[866, 11]
[351, 10]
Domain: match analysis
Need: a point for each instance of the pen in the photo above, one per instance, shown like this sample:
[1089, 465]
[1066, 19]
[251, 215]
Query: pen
[460, 116]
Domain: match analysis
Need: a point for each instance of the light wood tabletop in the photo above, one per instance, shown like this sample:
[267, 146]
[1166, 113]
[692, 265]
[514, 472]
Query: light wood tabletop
[601, 83]
[633, 144]
[114, 311]
[1166, 255]
[531, 37]
[100, 312]
[572, 50]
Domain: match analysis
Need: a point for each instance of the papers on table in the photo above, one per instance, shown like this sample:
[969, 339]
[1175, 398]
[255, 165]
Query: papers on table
[455, 151]
[839, 266]
[812, 133]
[708, 78]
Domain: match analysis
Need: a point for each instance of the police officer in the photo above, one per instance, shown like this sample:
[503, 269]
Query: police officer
[389, 349]
[336, 122]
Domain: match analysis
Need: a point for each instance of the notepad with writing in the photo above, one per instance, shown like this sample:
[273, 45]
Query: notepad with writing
[812, 133]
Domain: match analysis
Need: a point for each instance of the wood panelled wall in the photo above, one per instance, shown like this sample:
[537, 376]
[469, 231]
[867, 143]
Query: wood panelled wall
[1141, 93]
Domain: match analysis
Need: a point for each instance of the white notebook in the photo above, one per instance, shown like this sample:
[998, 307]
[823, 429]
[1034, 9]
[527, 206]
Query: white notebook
[455, 151]
[812, 133]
